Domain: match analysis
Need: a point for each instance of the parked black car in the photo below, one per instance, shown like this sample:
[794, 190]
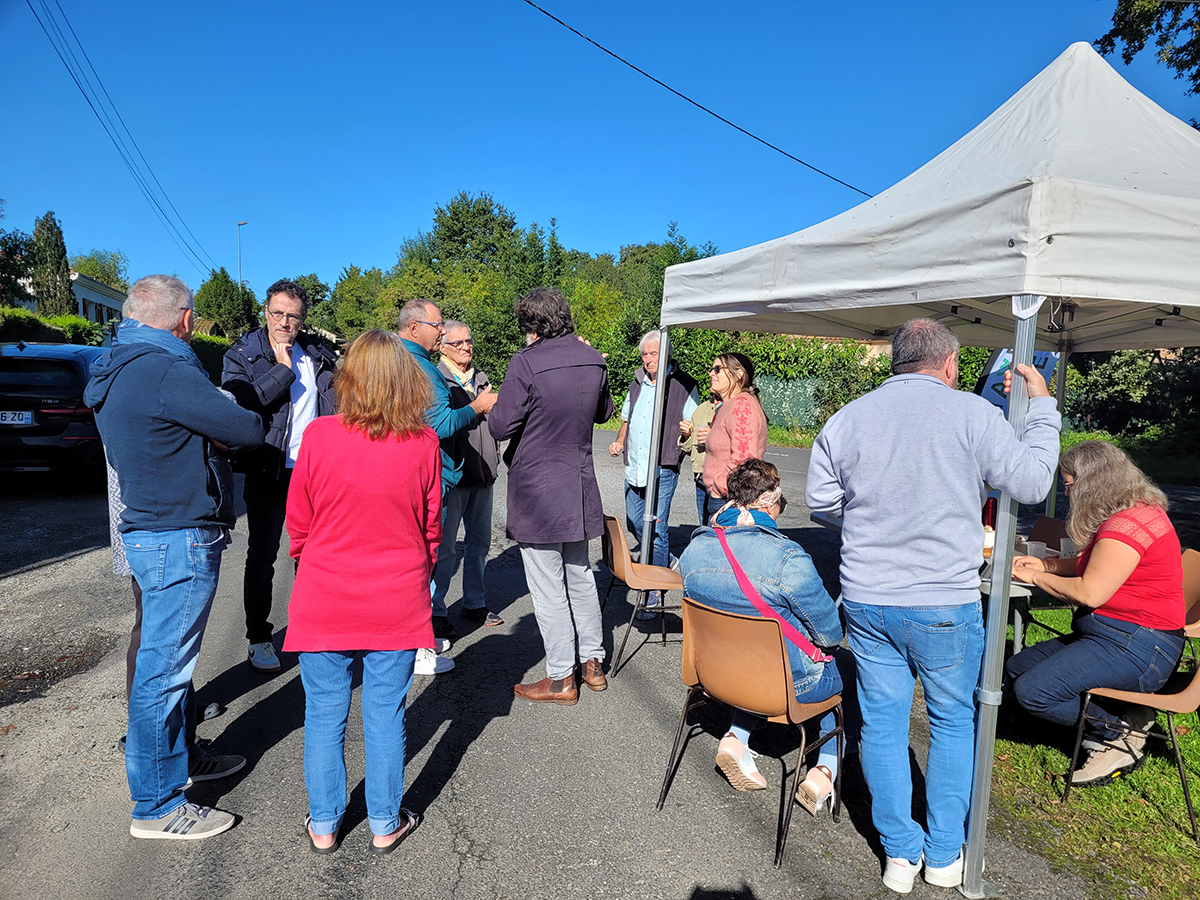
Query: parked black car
[43, 421]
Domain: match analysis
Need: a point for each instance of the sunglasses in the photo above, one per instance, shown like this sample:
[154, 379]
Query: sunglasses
[716, 370]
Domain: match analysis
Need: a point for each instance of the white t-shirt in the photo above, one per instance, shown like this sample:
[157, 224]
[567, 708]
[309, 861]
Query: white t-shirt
[304, 400]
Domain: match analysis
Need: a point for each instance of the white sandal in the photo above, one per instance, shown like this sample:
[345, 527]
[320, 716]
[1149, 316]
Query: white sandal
[816, 790]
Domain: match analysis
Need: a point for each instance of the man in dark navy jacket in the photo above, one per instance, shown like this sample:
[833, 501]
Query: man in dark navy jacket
[286, 377]
[165, 427]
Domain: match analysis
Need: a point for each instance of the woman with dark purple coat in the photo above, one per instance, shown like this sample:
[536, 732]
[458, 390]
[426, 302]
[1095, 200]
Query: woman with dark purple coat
[554, 393]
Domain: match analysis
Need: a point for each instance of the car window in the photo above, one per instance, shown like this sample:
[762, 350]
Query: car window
[31, 374]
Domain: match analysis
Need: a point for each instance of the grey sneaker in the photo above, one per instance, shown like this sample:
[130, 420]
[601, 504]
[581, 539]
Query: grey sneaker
[205, 766]
[1102, 766]
[188, 823]
[262, 657]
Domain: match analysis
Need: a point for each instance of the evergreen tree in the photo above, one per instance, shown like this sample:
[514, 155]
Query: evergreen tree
[51, 275]
[230, 305]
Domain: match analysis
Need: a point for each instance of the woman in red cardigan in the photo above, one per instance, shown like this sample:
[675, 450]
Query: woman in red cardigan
[364, 516]
[739, 429]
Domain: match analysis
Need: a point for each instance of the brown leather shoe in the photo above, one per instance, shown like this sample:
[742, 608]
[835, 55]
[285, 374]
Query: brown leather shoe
[561, 691]
[593, 675]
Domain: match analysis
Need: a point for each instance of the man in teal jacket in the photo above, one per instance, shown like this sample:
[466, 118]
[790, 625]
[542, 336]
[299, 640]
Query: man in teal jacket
[421, 328]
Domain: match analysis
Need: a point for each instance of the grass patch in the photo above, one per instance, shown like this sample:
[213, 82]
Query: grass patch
[1130, 837]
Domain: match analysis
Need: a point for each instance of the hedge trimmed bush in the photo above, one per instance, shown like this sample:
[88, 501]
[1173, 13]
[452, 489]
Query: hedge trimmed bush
[211, 350]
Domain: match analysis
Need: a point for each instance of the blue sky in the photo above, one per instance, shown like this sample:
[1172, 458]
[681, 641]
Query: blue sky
[335, 129]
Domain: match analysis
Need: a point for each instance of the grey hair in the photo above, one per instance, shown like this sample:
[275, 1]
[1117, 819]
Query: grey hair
[650, 337]
[414, 311]
[158, 301]
[455, 325]
[920, 345]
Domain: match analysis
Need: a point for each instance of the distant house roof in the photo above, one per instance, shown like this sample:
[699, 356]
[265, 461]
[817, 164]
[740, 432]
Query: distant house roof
[98, 287]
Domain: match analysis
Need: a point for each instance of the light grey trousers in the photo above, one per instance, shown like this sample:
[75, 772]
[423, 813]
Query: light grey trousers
[565, 603]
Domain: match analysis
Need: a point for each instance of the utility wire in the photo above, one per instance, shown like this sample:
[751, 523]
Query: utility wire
[699, 106]
[132, 140]
[64, 51]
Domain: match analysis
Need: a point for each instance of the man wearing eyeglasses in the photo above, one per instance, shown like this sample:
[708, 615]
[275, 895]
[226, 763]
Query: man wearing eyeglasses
[286, 376]
[469, 501]
[422, 329]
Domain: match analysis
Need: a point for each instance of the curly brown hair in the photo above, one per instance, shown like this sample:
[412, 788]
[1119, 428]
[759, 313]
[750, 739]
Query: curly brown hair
[381, 389]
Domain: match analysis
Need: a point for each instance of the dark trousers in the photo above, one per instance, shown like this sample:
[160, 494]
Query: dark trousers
[266, 504]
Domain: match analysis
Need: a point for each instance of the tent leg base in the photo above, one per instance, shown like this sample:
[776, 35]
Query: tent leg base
[986, 889]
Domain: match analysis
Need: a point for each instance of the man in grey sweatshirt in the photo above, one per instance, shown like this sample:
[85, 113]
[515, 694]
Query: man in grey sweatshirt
[906, 467]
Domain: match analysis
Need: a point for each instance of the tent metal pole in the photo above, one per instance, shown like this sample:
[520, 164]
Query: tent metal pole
[1060, 393]
[660, 410]
[1025, 307]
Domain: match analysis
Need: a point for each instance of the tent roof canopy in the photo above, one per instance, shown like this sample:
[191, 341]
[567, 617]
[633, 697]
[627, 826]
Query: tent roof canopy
[1078, 188]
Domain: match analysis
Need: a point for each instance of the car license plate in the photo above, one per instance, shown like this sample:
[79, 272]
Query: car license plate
[16, 418]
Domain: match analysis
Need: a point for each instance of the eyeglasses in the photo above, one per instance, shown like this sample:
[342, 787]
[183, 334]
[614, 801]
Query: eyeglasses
[290, 318]
[1067, 485]
[465, 341]
[782, 504]
[440, 326]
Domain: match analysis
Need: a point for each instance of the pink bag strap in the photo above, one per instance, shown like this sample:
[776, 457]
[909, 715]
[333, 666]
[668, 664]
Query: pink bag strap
[789, 630]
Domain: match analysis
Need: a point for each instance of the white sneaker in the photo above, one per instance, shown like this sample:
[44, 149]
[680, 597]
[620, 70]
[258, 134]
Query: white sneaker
[899, 874]
[429, 663]
[945, 876]
[262, 657]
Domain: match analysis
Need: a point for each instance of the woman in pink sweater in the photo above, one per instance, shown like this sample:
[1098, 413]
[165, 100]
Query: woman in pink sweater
[364, 516]
[739, 429]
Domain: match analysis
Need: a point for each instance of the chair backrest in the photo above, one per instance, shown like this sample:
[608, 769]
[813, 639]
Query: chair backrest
[1191, 591]
[739, 660]
[615, 549]
[1049, 530]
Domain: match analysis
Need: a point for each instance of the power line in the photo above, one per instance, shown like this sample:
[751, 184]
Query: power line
[699, 106]
[67, 56]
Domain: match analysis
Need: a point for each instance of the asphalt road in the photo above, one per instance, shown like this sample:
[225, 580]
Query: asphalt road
[520, 800]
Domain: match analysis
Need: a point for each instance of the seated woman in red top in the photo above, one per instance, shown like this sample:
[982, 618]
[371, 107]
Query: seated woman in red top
[1128, 631]
[364, 516]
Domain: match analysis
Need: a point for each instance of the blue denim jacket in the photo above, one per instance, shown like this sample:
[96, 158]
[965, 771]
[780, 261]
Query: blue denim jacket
[784, 576]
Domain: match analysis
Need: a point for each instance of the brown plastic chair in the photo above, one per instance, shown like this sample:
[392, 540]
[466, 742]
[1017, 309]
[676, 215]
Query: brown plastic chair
[1182, 702]
[743, 661]
[636, 576]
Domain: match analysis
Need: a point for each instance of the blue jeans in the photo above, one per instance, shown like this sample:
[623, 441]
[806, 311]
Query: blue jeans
[1051, 678]
[635, 508]
[473, 507]
[387, 676]
[706, 504]
[893, 645]
[177, 572]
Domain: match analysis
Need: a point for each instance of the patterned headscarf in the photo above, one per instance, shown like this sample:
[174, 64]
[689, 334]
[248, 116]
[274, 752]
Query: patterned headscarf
[763, 503]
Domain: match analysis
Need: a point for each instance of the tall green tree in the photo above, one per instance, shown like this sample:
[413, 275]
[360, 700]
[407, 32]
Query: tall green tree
[109, 267]
[230, 305]
[317, 290]
[1174, 27]
[353, 301]
[472, 232]
[16, 263]
[51, 275]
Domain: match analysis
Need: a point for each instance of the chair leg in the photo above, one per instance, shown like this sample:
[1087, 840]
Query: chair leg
[841, 758]
[1087, 701]
[789, 800]
[676, 755]
[611, 582]
[1018, 625]
[637, 608]
[1187, 794]
[662, 614]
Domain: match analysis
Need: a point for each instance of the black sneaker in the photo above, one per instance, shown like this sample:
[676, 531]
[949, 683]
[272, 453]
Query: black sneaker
[205, 766]
[443, 629]
[482, 615]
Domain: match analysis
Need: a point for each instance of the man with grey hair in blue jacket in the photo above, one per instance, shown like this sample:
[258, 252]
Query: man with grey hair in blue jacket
[906, 466]
[166, 427]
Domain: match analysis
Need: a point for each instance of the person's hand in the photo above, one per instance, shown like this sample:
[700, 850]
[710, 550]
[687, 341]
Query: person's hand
[283, 354]
[1035, 384]
[218, 445]
[1025, 567]
[484, 401]
[685, 427]
[702, 435]
[615, 448]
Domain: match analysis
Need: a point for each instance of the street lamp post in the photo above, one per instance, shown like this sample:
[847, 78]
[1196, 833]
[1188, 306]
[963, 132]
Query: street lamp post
[240, 224]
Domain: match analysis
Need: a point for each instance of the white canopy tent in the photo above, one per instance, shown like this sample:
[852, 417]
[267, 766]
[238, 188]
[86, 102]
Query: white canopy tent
[1078, 189]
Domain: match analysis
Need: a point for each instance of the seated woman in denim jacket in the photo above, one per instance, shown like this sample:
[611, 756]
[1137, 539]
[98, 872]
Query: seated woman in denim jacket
[1128, 586]
[785, 577]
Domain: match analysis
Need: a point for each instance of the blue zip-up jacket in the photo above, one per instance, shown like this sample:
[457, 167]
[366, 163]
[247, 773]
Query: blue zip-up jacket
[784, 575]
[158, 413]
[442, 417]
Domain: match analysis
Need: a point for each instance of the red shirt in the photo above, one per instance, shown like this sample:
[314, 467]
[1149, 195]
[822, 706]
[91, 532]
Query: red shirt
[365, 519]
[1153, 595]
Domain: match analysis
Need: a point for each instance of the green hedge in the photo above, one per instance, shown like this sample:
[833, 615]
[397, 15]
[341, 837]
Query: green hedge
[211, 350]
[18, 324]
